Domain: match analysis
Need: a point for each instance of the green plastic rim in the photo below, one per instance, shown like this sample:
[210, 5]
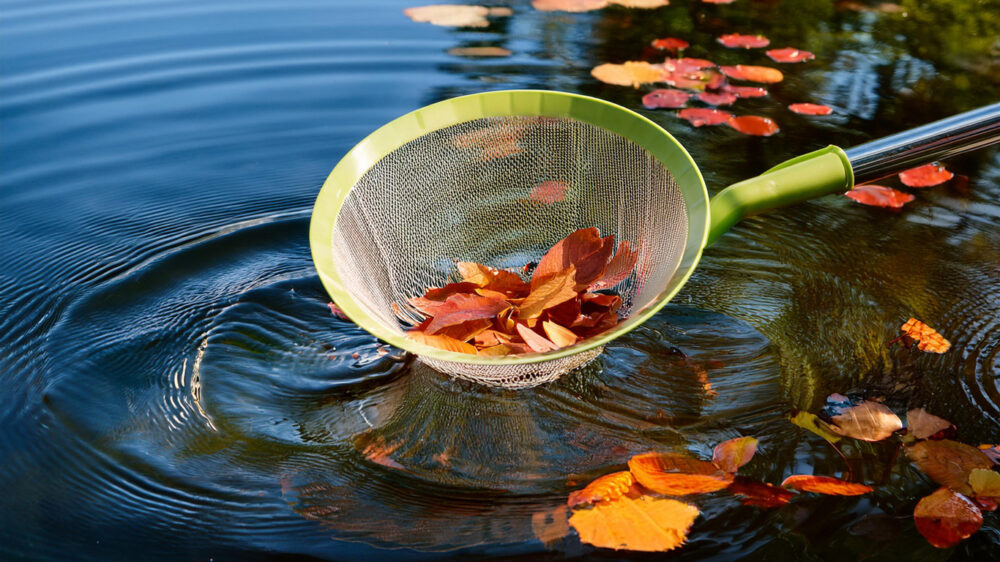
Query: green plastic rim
[537, 103]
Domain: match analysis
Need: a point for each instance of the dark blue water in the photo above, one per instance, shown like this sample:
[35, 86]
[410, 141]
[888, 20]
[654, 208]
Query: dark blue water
[174, 386]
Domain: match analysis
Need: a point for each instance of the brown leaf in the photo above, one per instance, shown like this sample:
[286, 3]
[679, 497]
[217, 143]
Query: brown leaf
[548, 292]
[825, 485]
[464, 307]
[644, 524]
[560, 336]
[948, 462]
[492, 278]
[868, 421]
[677, 475]
[550, 525]
[945, 518]
[760, 494]
[923, 425]
[928, 339]
[442, 342]
[732, 454]
[618, 269]
[536, 342]
[607, 487]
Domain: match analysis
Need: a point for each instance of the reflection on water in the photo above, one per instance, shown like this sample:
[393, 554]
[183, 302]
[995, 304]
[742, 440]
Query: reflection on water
[175, 386]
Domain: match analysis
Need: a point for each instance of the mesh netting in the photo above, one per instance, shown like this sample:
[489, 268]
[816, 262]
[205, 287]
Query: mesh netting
[465, 193]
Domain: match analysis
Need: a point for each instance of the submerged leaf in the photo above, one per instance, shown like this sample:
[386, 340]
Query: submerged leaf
[868, 421]
[948, 462]
[698, 116]
[925, 176]
[789, 54]
[825, 485]
[923, 425]
[644, 523]
[945, 518]
[665, 98]
[732, 454]
[677, 475]
[606, 488]
[754, 125]
[879, 196]
[762, 74]
[927, 338]
[568, 5]
[484, 51]
[810, 109]
[738, 41]
[336, 311]
[760, 494]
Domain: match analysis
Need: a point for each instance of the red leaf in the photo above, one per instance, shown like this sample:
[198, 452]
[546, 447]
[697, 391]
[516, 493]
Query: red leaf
[736, 41]
[762, 74]
[434, 298]
[699, 116]
[549, 192]
[789, 54]
[732, 454]
[686, 64]
[810, 109]
[463, 307]
[605, 488]
[925, 176]
[879, 196]
[572, 250]
[721, 98]
[536, 342]
[665, 98]
[671, 44]
[618, 269]
[825, 485]
[745, 91]
[760, 494]
[945, 518]
[754, 125]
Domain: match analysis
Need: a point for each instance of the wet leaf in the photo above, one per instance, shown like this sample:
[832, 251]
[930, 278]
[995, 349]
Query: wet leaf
[479, 52]
[335, 310]
[665, 98]
[762, 74]
[551, 525]
[720, 98]
[558, 335]
[462, 307]
[984, 482]
[754, 125]
[810, 422]
[923, 425]
[732, 454]
[606, 488]
[925, 176]
[744, 92]
[879, 196]
[670, 44]
[549, 291]
[631, 73]
[454, 15]
[442, 342]
[789, 54]
[945, 518]
[618, 269]
[868, 421]
[948, 462]
[536, 342]
[810, 109]
[926, 337]
[739, 41]
[549, 192]
[760, 494]
[824, 485]
[672, 474]
[698, 116]
[644, 523]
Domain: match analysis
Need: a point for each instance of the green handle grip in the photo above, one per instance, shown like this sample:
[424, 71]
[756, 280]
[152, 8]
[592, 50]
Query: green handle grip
[818, 173]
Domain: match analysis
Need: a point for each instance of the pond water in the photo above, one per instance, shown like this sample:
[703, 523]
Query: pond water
[175, 387]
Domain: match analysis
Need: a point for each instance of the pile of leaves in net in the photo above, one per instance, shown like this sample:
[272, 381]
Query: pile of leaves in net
[495, 312]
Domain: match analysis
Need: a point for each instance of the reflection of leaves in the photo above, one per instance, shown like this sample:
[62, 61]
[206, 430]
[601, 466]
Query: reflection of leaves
[606, 488]
[645, 523]
[945, 518]
[825, 485]
[810, 109]
[551, 525]
[948, 462]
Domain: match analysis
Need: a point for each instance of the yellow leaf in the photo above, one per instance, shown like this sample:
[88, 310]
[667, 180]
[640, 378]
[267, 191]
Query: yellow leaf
[985, 482]
[645, 523]
[632, 73]
[810, 422]
[559, 335]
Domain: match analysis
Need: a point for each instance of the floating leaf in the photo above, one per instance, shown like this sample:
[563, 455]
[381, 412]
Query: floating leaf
[732, 454]
[923, 425]
[549, 192]
[442, 342]
[698, 116]
[789, 54]
[720, 98]
[925, 176]
[665, 98]
[868, 421]
[606, 488]
[927, 338]
[745, 91]
[454, 15]
[558, 335]
[644, 523]
[670, 44]
[762, 74]
[825, 485]
[485, 51]
[810, 422]
[536, 342]
[686, 64]
[879, 196]
[754, 125]
[984, 482]
[631, 73]
[677, 475]
[948, 462]
[810, 109]
[550, 525]
[738, 41]
[760, 494]
[945, 518]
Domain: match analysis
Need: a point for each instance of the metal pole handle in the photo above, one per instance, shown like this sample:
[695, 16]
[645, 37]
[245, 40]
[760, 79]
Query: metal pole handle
[942, 139]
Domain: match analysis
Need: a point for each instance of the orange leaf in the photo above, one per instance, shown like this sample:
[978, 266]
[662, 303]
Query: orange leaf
[738, 41]
[677, 475]
[464, 307]
[745, 91]
[670, 44]
[810, 109]
[763, 74]
[927, 338]
[699, 116]
[492, 278]
[434, 298]
[825, 485]
[879, 196]
[442, 342]
[618, 269]
[552, 525]
[548, 192]
[925, 176]
[665, 98]
[463, 331]
[754, 125]
[923, 425]
[549, 291]
[631, 73]
[732, 454]
[568, 5]
[760, 494]
[945, 518]
[789, 54]
[948, 462]
[868, 421]
[607, 487]
[378, 452]
[571, 250]
[536, 342]
[560, 336]
[645, 523]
